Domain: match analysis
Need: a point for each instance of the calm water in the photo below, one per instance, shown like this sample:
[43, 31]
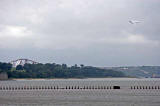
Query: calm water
[82, 97]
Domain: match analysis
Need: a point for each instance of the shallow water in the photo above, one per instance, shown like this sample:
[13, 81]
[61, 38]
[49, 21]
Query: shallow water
[82, 97]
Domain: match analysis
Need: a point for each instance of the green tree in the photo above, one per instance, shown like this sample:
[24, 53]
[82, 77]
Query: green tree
[19, 67]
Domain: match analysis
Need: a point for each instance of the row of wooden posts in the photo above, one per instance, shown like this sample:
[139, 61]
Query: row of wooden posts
[145, 87]
[72, 87]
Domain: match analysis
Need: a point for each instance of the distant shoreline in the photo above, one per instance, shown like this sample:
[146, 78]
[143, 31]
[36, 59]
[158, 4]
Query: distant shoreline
[43, 79]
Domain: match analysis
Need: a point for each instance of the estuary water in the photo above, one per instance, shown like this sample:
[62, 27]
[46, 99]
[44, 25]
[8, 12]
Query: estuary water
[81, 92]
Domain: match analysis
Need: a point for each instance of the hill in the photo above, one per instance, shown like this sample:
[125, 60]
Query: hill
[138, 71]
[53, 70]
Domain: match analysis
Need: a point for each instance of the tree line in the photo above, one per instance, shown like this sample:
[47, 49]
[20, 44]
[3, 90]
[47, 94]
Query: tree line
[54, 70]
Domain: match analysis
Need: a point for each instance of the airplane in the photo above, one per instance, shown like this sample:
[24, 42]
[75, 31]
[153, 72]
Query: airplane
[134, 22]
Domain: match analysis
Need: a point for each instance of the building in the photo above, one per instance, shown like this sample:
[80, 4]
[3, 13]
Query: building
[3, 76]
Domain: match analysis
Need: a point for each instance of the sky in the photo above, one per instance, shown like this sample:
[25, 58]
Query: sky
[89, 32]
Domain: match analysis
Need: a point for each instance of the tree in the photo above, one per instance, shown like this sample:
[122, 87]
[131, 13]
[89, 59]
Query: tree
[82, 65]
[64, 66]
[57, 71]
[19, 67]
[5, 67]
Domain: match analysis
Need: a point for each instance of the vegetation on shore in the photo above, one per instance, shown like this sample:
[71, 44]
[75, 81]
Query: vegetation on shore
[53, 70]
[139, 71]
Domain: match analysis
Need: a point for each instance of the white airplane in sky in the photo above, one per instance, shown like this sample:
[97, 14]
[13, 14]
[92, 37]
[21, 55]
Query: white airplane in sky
[134, 22]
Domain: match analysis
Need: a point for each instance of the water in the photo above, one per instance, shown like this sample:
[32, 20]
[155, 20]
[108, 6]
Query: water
[81, 97]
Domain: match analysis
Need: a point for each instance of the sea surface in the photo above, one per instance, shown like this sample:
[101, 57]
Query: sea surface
[125, 96]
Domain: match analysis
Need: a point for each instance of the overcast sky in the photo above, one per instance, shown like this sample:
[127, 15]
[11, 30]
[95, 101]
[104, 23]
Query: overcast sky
[90, 32]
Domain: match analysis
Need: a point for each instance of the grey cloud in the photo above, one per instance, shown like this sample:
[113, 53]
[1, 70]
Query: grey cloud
[87, 31]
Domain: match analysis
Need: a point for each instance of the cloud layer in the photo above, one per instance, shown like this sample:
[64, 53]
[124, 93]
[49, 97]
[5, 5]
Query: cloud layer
[86, 31]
